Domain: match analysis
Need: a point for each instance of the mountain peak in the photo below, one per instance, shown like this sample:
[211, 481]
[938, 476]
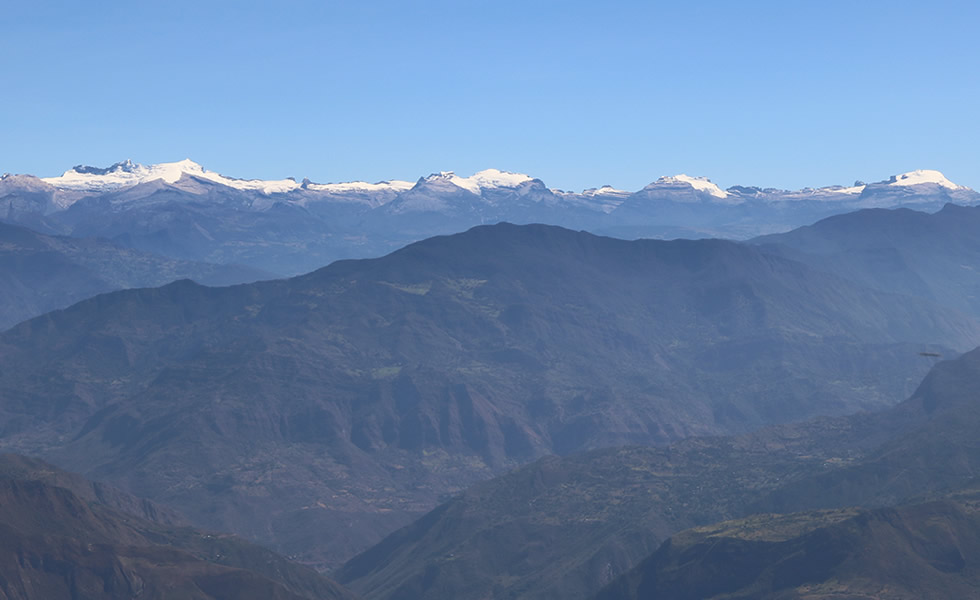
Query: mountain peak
[126, 166]
[921, 176]
[482, 180]
[606, 190]
[701, 184]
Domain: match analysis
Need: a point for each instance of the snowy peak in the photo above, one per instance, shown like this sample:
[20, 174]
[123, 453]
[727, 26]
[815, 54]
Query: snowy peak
[923, 176]
[127, 173]
[359, 186]
[606, 190]
[493, 178]
[483, 180]
[855, 189]
[701, 184]
[120, 175]
[912, 178]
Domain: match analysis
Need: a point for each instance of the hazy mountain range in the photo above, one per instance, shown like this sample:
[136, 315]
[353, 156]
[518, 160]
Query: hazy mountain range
[515, 411]
[40, 273]
[935, 256]
[183, 211]
[926, 547]
[564, 527]
[319, 413]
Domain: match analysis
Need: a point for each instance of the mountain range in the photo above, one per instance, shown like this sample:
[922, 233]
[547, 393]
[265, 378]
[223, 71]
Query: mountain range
[933, 256]
[40, 273]
[564, 527]
[923, 545]
[513, 411]
[183, 211]
[319, 413]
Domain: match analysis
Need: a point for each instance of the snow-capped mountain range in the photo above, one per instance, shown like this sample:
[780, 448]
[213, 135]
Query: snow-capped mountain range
[127, 173]
[183, 210]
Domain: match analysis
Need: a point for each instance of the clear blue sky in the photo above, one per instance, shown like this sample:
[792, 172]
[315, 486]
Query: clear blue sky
[775, 93]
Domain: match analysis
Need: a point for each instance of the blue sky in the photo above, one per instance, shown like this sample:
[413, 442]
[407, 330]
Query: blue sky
[783, 93]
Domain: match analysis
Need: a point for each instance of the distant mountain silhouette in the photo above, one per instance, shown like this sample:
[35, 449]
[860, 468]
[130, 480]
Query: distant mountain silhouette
[933, 256]
[40, 273]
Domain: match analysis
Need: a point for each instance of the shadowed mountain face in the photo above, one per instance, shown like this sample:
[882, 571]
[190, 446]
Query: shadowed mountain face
[41, 273]
[319, 413]
[564, 527]
[61, 541]
[925, 551]
[934, 256]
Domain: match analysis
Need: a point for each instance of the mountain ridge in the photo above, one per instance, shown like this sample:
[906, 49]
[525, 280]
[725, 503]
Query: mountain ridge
[127, 173]
[564, 526]
[382, 385]
[40, 273]
[184, 211]
[927, 255]
[916, 550]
